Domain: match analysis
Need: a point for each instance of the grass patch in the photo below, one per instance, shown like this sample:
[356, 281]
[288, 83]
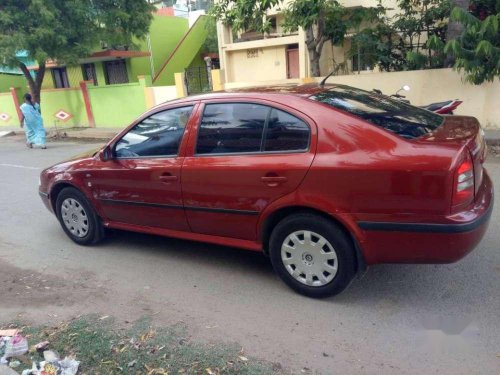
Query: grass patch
[103, 349]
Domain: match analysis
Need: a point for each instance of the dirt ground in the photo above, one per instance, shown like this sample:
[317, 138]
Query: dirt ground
[32, 289]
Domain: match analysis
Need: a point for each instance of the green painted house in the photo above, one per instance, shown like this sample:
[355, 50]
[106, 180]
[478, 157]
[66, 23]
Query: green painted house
[171, 47]
[13, 77]
[123, 79]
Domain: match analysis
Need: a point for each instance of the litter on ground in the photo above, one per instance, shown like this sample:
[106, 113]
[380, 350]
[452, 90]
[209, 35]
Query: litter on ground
[14, 346]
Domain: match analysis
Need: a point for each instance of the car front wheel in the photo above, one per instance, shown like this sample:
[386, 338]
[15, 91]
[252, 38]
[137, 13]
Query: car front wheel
[312, 255]
[77, 217]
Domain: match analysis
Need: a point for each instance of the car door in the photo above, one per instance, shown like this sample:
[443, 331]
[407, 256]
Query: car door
[141, 184]
[242, 156]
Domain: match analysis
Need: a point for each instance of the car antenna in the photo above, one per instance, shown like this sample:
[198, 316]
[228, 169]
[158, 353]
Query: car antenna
[322, 83]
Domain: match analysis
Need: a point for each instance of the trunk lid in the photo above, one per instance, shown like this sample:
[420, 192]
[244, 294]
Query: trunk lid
[463, 130]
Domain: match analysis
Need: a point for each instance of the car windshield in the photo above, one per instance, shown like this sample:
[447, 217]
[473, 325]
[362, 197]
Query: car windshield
[394, 115]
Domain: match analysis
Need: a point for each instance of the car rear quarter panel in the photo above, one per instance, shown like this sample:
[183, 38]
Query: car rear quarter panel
[364, 173]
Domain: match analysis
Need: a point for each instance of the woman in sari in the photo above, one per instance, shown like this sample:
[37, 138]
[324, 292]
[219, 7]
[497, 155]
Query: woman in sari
[32, 122]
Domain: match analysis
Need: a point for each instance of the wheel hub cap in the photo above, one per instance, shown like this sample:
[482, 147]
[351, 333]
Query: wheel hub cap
[74, 217]
[309, 258]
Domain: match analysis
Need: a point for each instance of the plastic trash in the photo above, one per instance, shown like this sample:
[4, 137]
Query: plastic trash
[16, 346]
[14, 364]
[32, 371]
[41, 346]
[69, 366]
[50, 368]
[50, 356]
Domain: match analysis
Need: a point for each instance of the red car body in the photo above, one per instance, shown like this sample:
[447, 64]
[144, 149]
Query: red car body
[395, 197]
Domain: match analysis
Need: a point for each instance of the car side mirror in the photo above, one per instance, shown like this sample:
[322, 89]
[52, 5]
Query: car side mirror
[106, 154]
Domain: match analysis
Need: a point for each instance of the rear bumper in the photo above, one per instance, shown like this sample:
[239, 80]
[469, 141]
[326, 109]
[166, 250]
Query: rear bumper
[446, 242]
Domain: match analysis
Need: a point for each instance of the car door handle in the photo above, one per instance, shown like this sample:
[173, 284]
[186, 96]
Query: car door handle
[273, 180]
[168, 178]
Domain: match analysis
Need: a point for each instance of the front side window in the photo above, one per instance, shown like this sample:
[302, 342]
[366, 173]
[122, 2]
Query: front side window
[233, 128]
[158, 135]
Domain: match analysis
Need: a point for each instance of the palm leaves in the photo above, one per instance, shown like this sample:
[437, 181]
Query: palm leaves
[477, 50]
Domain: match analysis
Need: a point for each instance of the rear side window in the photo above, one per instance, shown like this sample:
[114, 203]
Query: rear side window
[286, 133]
[393, 115]
[158, 135]
[231, 128]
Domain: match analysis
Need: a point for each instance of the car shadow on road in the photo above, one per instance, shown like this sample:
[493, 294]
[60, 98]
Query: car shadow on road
[192, 252]
[382, 286]
[424, 287]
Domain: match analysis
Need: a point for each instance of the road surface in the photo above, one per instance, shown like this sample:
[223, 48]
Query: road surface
[397, 319]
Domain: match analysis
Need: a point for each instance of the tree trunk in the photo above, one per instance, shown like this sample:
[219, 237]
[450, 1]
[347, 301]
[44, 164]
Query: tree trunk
[314, 47]
[314, 62]
[454, 29]
[35, 85]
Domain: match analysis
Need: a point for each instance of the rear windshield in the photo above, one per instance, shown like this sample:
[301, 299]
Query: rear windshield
[391, 114]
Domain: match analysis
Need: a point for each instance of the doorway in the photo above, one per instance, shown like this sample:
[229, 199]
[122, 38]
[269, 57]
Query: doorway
[292, 61]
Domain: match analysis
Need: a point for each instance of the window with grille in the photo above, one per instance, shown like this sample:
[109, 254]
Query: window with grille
[116, 72]
[89, 73]
[60, 77]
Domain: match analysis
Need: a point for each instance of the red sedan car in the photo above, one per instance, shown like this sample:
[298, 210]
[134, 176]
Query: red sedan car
[326, 180]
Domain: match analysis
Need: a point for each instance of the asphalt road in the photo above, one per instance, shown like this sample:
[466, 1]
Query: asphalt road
[397, 319]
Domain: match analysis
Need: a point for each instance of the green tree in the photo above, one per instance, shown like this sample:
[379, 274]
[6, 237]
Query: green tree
[65, 31]
[455, 28]
[321, 20]
[413, 38]
[477, 49]
[423, 19]
[211, 43]
[378, 44]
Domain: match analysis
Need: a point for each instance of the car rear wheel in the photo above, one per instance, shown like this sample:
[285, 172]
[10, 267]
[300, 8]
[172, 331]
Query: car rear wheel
[312, 255]
[77, 217]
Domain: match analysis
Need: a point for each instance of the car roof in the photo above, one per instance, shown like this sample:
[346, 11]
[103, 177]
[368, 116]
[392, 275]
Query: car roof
[290, 89]
[305, 91]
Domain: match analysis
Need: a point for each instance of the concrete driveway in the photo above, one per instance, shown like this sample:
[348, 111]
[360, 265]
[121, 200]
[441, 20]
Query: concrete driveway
[397, 319]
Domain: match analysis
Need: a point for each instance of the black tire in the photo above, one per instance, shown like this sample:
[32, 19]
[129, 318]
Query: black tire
[341, 243]
[95, 232]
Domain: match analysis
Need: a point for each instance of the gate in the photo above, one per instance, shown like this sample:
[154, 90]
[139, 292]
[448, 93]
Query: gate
[197, 80]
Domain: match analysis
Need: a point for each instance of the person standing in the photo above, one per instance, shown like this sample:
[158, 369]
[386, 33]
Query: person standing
[33, 123]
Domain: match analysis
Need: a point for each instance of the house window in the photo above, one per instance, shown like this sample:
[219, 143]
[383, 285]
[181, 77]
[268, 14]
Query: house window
[60, 76]
[116, 72]
[274, 26]
[89, 73]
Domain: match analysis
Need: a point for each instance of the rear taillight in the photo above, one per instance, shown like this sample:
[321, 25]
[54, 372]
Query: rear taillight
[464, 182]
